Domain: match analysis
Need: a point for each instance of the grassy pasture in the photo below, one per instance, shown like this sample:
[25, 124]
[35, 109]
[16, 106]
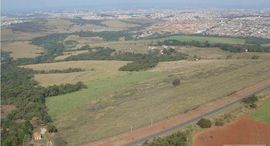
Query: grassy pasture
[131, 46]
[263, 112]
[22, 49]
[112, 105]
[205, 53]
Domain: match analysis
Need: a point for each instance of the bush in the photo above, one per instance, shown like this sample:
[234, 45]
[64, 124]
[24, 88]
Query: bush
[219, 122]
[255, 57]
[204, 123]
[176, 82]
[52, 129]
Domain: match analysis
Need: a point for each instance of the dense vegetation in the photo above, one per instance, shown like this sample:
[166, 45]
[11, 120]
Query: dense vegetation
[80, 21]
[32, 26]
[176, 139]
[68, 70]
[63, 89]
[251, 101]
[18, 88]
[107, 35]
[226, 47]
[258, 41]
[204, 123]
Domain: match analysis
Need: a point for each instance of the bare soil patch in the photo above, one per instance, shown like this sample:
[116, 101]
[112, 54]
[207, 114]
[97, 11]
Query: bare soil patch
[244, 131]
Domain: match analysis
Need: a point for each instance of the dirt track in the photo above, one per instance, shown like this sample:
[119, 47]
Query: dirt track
[165, 126]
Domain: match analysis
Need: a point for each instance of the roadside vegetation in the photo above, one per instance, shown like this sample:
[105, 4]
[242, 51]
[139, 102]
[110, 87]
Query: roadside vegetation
[177, 139]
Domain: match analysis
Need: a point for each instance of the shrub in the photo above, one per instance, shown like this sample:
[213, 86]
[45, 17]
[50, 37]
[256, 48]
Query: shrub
[204, 123]
[219, 122]
[52, 129]
[176, 82]
[255, 57]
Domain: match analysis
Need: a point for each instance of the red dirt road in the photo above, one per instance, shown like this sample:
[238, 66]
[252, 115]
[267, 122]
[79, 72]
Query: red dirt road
[244, 131]
[189, 117]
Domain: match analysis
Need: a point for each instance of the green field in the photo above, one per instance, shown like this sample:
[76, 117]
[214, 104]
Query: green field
[111, 105]
[95, 88]
[263, 113]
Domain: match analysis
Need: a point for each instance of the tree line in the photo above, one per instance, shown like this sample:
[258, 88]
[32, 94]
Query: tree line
[226, 47]
[18, 88]
[68, 70]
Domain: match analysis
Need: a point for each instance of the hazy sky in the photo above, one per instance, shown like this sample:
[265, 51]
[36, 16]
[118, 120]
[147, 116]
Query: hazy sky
[54, 4]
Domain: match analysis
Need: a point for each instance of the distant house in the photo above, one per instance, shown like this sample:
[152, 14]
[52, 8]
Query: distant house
[37, 136]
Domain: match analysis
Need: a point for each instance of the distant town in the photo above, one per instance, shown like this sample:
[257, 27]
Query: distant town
[236, 22]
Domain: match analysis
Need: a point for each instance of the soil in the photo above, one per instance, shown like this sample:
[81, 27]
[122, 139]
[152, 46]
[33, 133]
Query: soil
[244, 131]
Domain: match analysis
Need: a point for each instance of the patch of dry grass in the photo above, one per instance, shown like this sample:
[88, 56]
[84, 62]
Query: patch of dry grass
[93, 70]
[22, 49]
[116, 24]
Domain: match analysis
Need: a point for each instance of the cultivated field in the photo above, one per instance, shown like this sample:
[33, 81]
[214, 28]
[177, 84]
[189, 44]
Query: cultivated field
[242, 131]
[22, 49]
[114, 104]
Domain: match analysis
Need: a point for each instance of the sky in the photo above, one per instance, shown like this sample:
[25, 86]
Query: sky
[11, 5]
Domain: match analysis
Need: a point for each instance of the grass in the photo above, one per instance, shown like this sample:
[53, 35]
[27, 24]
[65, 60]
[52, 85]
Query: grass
[22, 49]
[204, 53]
[95, 88]
[111, 105]
[263, 113]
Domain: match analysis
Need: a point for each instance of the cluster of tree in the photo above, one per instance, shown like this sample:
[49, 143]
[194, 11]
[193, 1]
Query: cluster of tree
[31, 26]
[68, 70]
[226, 47]
[63, 89]
[251, 101]
[15, 133]
[107, 35]
[176, 139]
[258, 41]
[143, 64]
[139, 61]
[80, 21]
[204, 123]
[18, 88]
